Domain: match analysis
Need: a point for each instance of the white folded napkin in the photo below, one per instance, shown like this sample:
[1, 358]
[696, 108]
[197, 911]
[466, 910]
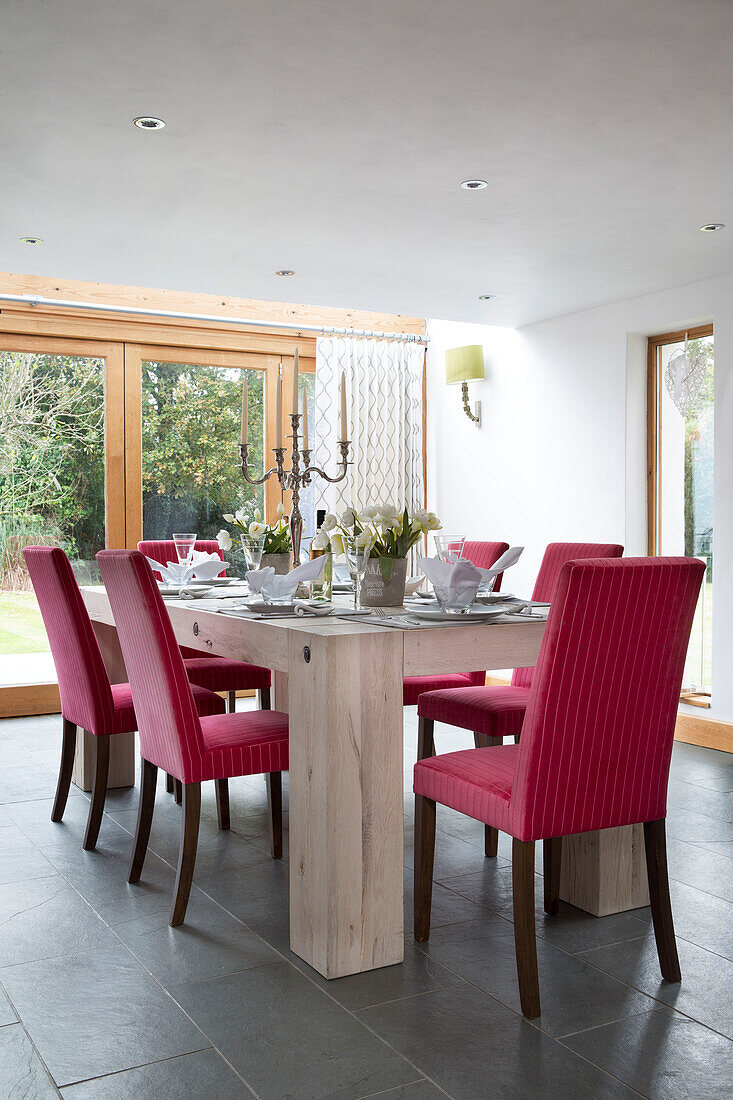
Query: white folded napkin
[461, 578]
[506, 561]
[207, 566]
[174, 575]
[267, 582]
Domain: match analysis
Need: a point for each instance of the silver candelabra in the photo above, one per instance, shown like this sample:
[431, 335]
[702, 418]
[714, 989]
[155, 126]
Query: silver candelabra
[295, 478]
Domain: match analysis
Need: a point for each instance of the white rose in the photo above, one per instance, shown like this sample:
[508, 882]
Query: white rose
[329, 522]
[256, 529]
[224, 539]
[348, 518]
[320, 541]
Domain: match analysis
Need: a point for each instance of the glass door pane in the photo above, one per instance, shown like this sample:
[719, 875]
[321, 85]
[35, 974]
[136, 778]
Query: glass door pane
[191, 414]
[53, 481]
[685, 438]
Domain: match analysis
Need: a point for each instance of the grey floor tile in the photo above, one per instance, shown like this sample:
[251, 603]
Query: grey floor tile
[418, 1090]
[24, 781]
[210, 942]
[662, 1055]
[190, 1076]
[474, 1047]
[19, 859]
[707, 979]
[45, 917]
[573, 994]
[703, 918]
[700, 800]
[258, 896]
[697, 828]
[22, 1073]
[7, 1016]
[720, 847]
[288, 1040]
[97, 1013]
[34, 818]
[417, 974]
[705, 870]
[449, 906]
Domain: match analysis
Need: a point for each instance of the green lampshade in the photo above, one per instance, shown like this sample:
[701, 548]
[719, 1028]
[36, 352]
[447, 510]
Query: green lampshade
[464, 364]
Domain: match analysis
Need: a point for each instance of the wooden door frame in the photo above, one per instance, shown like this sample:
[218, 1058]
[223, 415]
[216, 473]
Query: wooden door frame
[43, 698]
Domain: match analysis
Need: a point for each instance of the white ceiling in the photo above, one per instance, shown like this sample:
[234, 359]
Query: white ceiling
[331, 136]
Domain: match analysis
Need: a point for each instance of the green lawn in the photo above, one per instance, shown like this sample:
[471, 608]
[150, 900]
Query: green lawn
[21, 626]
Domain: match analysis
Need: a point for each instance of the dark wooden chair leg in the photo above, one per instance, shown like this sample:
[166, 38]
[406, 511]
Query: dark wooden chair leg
[99, 791]
[222, 802]
[177, 791]
[231, 702]
[424, 857]
[169, 783]
[145, 807]
[655, 842]
[425, 738]
[265, 703]
[552, 862]
[187, 851]
[525, 943]
[68, 748]
[274, 781]
[491, 835]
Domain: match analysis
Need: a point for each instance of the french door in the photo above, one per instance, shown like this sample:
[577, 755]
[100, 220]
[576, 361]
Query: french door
[62, 482]
[106, 443]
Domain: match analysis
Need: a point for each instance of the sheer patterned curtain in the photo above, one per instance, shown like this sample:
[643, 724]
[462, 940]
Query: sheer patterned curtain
[384, 386]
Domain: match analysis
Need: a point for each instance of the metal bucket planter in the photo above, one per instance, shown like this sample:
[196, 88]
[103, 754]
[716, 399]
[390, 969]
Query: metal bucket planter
[384, 582]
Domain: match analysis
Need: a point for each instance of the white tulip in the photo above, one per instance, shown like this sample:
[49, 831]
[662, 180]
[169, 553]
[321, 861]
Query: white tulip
[256, 529]
[320, 541]
[370, 512]
[434, 522]
[258, 514]
[364, 539]
[240, 515]
[224, 539]
[280, 509]
[228, 517]
[329, 522]
[389, 512]
[348, 518]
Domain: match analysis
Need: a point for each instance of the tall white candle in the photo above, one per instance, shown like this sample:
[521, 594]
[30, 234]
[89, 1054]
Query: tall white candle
[343, 407]
[305, 420]
[244, 409]
[279, 409]
[295, 382]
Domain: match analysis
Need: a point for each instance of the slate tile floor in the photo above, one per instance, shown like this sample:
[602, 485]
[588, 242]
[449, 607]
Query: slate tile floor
[101, 1000]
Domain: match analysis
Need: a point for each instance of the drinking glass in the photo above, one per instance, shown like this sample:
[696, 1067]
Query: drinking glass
[449, 547]
[455, 603]
[358, 549]
[184, 547]
[253, 545]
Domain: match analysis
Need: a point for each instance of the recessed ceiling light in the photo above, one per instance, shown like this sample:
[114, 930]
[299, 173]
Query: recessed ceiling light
[32, 240]
[285, 271]
[711, 227]
[486, 297]
[148, 122]
[474, 185]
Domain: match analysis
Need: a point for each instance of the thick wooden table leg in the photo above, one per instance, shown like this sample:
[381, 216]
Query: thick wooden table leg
[121, 745]
[605, 872]
[346, 801]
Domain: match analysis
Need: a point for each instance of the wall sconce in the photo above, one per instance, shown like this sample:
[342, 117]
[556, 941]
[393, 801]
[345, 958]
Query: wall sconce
[466, 365]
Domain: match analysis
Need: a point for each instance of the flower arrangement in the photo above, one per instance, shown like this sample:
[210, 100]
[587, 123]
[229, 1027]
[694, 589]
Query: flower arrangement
[277, 535]
[391, 532]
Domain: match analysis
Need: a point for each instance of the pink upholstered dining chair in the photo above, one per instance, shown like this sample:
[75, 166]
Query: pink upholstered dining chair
[210, 671]
[495, 712]
[595, 747]
[482, 554]
[172, 736]
[88, 700]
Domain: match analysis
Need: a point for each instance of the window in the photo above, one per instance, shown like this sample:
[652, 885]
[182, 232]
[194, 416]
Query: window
[681, 466]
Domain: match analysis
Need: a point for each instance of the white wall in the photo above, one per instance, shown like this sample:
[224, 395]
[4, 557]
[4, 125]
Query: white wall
[561, 453]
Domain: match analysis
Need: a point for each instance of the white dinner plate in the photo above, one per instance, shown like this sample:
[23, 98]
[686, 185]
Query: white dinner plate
[436, 615]
[216, 581]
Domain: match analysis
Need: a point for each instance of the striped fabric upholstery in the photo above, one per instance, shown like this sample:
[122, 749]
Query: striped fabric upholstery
[555, 556]
[87, 697]
[597, 737]
[483, 555]
[206, 669]
[171, 735]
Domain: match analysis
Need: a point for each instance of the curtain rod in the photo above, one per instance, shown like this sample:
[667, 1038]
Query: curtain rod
[327, 330]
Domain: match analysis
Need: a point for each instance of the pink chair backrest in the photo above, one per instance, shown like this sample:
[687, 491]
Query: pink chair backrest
[483, 555]
[554, 558]
[170, 731]
[597, 737]
[164, 550]
[86, 696]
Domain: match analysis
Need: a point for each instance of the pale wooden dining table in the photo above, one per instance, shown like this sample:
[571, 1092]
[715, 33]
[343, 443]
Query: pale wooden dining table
[340, 681]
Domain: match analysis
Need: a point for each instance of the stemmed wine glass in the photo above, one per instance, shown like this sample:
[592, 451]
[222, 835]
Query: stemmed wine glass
[253, 546]
[358, 549]
[184, 545]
